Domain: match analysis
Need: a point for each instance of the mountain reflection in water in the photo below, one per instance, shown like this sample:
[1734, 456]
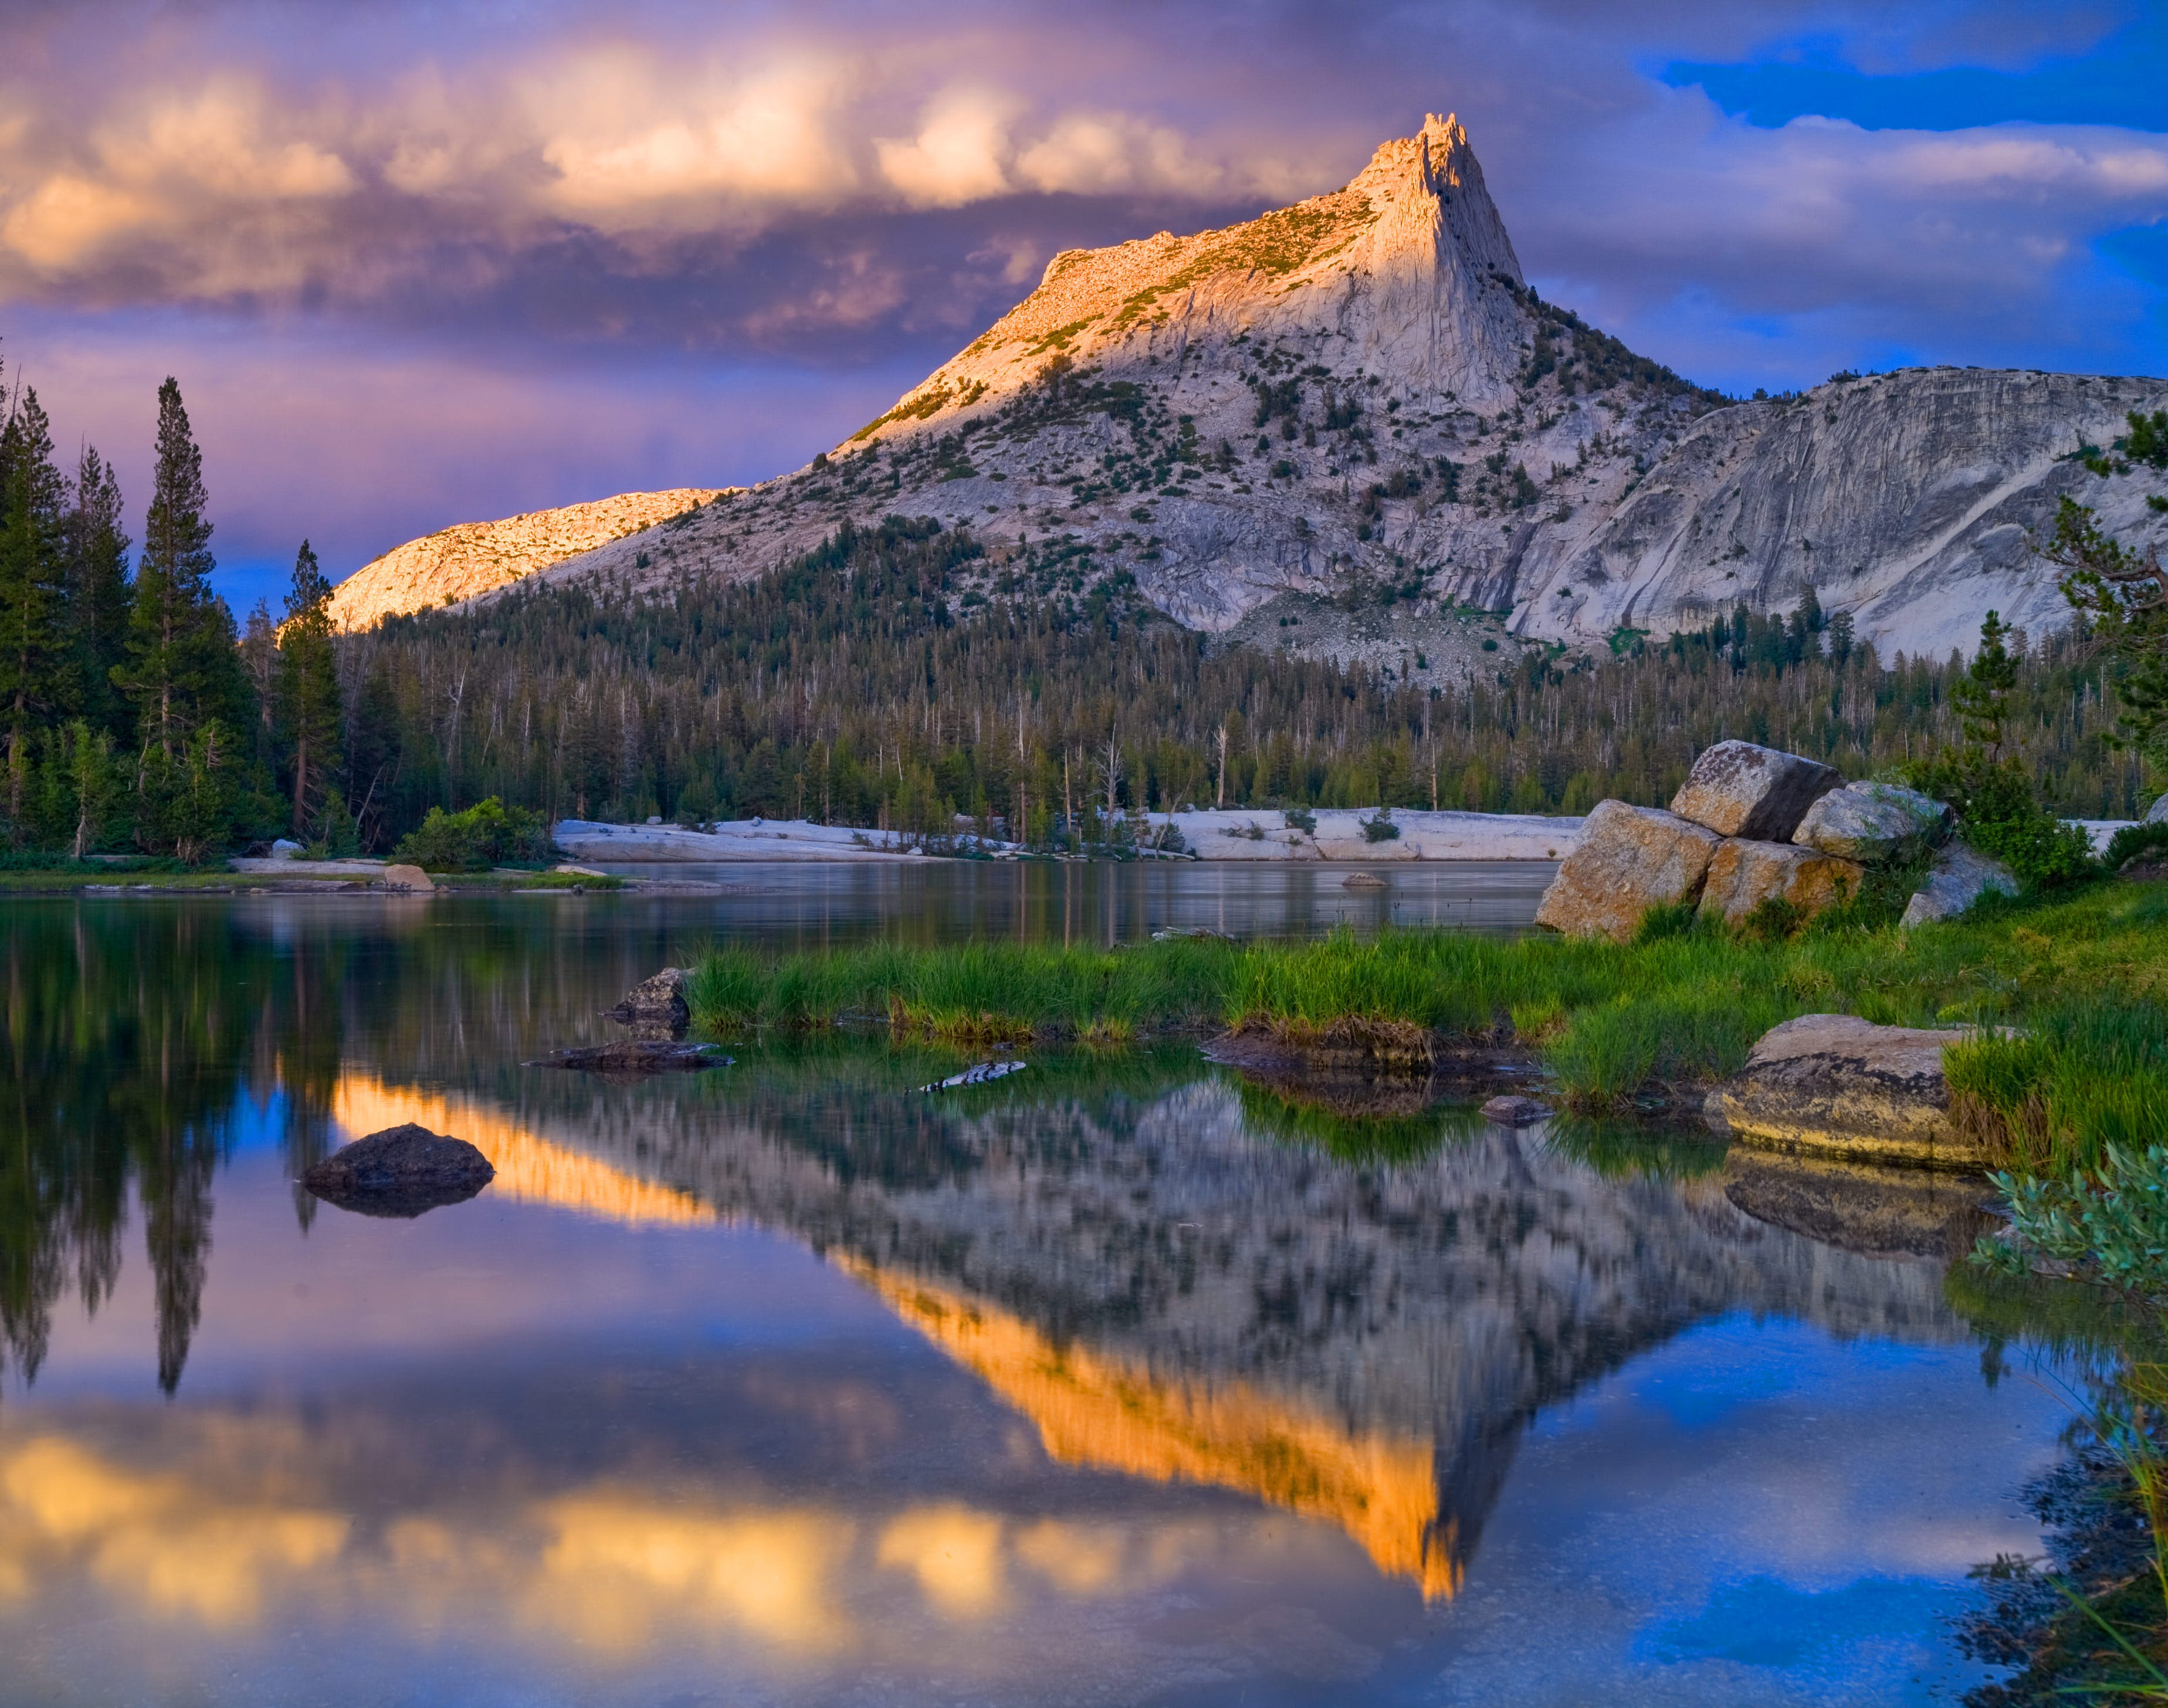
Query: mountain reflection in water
[1168, 1330]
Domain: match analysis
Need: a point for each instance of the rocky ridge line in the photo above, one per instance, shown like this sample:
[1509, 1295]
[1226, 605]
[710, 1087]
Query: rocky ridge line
[473, 558]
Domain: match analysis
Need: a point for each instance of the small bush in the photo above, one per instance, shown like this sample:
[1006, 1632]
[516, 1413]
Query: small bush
[1300, 818]
[486, 834]
[2001, 817]
[2133, 840]
[1380, 827]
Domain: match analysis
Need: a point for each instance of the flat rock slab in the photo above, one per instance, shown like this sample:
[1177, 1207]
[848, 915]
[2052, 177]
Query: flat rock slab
[1832, 1085]
[1959, 879]
[1874, 821]
[1630, 859]
[401, 1171]
[636, 1056]
[1742, 875]
[1738, 789]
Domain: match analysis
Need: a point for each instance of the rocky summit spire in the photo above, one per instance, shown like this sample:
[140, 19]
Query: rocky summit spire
[1406, 272]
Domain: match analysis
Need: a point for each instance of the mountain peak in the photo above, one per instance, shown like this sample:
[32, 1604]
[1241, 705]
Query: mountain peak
[1408, 262]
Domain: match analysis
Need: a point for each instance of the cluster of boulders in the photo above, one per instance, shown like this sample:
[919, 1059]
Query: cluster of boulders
[1751, 825]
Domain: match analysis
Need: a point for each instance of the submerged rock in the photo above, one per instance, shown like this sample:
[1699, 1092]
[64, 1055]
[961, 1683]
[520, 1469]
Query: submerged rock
[401, 1171]
[1873, 822]
[1742, 875]
[656, 1008]
[1630, 859]
[1515, 1111]
[1362, 880]
[1960, 878]
[1835, 1084]
[1738, 789]
[636, 1056]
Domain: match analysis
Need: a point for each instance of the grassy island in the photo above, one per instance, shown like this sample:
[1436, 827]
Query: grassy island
[2086, 974]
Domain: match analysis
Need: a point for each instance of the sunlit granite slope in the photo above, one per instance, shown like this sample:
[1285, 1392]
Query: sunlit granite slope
[479, 557]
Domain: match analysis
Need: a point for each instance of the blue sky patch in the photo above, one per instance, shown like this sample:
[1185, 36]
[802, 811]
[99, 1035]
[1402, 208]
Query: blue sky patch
[2123, 81]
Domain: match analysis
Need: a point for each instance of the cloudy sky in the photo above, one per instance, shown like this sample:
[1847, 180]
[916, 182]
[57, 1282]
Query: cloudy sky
[419, 262]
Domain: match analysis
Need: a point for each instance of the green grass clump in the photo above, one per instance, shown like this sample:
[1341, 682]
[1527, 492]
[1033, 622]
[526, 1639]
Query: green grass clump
[970, 992]
[2086, 1073]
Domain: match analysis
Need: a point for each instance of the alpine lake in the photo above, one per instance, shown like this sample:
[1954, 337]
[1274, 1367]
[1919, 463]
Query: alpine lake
[1121, 1380]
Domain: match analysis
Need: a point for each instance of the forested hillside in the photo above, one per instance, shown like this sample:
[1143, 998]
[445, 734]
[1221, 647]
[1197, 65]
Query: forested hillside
[898, 676]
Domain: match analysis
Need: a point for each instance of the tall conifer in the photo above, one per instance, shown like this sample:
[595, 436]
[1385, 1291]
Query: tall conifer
[97, 592]
[33, 676]
[308, 686]
[173, 626]
[33, 569]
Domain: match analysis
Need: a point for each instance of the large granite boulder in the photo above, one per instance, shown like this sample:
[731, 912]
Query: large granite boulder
[1738, 789]
[1832, 1085]
[401, 1171]
[656, 1008]
[408, 877]
[1742, 875]
[1873, 822]
[2157, 813]
[1629, 860]
[1959, 879]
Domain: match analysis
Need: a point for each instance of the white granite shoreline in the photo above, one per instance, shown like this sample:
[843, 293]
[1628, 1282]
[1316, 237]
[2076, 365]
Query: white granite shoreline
[1223, 835]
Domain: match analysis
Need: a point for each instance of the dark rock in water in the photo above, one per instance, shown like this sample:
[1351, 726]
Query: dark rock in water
[637, 1056]
[1362, 880]
[1514, 1111]
[1858, 1207]
[401, 1171]
[656, 1008]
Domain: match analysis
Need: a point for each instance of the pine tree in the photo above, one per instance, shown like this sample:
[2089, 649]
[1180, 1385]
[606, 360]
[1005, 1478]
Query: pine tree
[308, 689]
[98, 593]
[1981, 696]
[34, 678]
[175, 630]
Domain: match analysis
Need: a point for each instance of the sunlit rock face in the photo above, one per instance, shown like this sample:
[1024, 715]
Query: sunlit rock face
[479, 557]
[1271, 409]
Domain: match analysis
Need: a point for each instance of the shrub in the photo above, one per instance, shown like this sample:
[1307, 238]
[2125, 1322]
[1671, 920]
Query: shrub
[1380, 828]
[486, 834]
[2133, 840]
[2000, 816]
[1300, 818]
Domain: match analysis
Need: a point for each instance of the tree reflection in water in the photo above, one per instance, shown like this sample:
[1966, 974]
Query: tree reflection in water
[132, 1035]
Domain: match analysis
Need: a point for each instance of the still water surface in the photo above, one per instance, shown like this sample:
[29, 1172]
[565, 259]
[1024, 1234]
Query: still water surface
[1118, 1382]
[812, 904]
